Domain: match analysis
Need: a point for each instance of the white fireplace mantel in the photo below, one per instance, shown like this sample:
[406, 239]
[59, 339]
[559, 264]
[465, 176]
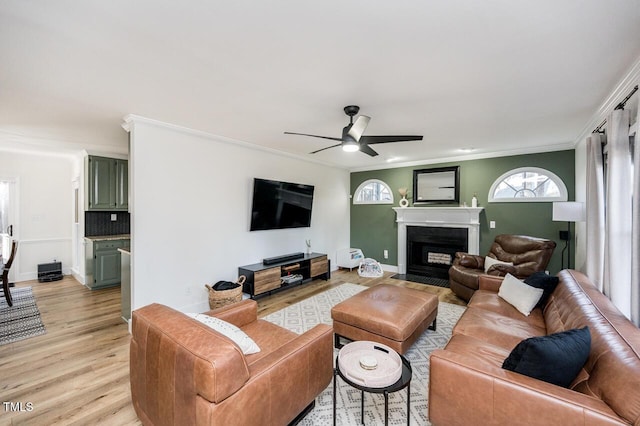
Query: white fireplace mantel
[443, 217]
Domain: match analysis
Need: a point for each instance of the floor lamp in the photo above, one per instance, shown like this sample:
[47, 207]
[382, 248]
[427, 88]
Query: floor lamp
[567, 211]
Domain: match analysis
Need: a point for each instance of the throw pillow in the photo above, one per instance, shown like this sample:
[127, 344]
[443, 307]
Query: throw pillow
[521, 296]
[239, 337]
[490, 261]
[544, 281]
[556, 358]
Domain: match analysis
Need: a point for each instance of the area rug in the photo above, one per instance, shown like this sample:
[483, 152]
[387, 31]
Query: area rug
[22, 320]
[304, 315]
[440, 282]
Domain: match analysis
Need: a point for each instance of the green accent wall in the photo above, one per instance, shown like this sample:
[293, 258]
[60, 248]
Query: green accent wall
[374, 229]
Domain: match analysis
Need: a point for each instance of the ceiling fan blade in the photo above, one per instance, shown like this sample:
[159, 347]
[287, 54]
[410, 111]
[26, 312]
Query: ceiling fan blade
[322, 149]
[386, 139]
[313, 136]
[358, 128]
[367, 150]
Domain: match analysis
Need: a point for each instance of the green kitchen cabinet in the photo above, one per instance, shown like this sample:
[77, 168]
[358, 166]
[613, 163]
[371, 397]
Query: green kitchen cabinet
[104, 263]
[107, 264]
[122, 184]
[107, 183]
[125, 284]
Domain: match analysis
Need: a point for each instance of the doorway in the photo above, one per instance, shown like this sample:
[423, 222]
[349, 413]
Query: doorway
[8, 217]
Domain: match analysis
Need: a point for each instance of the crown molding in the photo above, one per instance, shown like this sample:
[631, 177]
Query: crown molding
[620, 91]
[130, 120]
[467, 157]
[35, 145]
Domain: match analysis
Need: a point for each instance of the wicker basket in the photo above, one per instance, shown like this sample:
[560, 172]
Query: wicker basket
[221, 298]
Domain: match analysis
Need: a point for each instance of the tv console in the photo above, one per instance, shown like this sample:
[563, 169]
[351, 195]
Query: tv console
[282, 272]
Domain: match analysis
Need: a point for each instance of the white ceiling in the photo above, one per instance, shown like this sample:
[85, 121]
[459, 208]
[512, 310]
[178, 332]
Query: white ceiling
[495, 76]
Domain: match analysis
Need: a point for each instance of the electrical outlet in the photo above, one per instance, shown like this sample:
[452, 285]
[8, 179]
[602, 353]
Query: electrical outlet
[492, 224]
[386, 254]
[114, 217]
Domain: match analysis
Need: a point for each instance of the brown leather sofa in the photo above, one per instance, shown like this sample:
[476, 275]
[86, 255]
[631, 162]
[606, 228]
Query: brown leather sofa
[184, 373]
[467, 384]
[528, 255]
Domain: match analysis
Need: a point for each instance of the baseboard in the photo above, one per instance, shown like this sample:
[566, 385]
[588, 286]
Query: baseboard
[29, 276]
[389, 268]
[78, 277]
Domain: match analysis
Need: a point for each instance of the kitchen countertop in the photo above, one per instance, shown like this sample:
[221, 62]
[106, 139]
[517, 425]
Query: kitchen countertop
[109, 237]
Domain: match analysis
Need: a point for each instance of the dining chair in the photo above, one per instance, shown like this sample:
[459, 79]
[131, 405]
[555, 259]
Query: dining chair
[5, 273]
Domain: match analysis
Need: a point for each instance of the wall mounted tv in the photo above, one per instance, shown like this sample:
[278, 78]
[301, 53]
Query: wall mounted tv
[279, 205]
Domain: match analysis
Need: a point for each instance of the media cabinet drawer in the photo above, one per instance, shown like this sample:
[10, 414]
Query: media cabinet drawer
[319, 266]
[266, 280]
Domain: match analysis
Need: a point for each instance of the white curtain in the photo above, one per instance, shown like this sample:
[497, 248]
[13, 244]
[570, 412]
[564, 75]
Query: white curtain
[618, 221]
[595, 211]
[635, 237]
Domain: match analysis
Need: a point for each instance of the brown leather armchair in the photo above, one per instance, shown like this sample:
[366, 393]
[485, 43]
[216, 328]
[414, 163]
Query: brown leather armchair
[184, 373]
[528, 255]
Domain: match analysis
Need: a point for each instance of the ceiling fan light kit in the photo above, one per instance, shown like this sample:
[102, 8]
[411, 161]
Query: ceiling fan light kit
[350, 146]
[352, 139]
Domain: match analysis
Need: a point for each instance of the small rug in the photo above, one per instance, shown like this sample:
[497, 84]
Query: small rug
[22, 320]
[440, 282]
[304, 315]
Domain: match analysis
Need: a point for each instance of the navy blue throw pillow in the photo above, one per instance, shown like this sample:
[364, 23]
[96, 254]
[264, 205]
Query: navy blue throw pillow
[544, 281]
[556, 358]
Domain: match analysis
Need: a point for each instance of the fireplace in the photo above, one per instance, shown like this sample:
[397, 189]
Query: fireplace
[431, 250]
[445, 218]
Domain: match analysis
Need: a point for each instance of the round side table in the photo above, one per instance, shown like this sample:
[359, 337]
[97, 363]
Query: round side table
[403, 382]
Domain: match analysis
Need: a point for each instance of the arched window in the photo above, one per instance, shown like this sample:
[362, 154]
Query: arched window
[527, 185]
[373, 191]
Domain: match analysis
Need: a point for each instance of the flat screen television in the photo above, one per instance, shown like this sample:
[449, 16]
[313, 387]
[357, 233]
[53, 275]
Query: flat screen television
[280, 205]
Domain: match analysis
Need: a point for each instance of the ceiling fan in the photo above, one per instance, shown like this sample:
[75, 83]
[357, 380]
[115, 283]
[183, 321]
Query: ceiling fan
[352, 139]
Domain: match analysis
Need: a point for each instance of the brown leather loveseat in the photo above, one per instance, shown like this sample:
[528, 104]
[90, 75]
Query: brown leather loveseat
[527, 254]
[185, 373]
[467, 384]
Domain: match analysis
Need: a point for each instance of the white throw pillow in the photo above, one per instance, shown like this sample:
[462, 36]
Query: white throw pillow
[490, 261]
[521, 296]
[240, 338]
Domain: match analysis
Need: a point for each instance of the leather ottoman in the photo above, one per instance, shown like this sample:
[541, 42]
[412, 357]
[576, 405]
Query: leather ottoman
[392, 315]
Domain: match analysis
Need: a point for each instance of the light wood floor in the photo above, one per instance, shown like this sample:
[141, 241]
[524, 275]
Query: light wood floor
[78, 372]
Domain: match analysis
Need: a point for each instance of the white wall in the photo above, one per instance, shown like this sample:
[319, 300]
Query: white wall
[44, 210]
[77, 229]
[191, 202]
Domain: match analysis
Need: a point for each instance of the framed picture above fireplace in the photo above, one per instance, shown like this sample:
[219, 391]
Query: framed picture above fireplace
[437, 185]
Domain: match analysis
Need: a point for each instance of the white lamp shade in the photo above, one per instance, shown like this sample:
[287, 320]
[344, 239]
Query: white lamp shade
[568, 211]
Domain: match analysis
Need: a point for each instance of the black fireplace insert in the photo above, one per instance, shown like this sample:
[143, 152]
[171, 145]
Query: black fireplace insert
[431, 250]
